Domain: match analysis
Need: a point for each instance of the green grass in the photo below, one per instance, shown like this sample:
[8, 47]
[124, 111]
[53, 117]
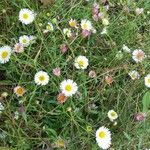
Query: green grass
[46, 122]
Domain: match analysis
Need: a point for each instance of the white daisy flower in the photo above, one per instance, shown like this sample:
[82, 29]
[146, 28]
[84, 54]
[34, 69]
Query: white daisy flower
[112, 115]
[86, 25]
[103, 137]
[138, 55]
[67, 32]
[5, 53]
[26, 16]
[126, 49]
[134, 75]
[41, 78]
[68, 87]
[73, 23]
[49, 28]
[81, 62]
[24, 40]
[147, 80]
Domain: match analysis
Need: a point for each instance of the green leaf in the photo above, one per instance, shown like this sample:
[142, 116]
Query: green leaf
[146, 101]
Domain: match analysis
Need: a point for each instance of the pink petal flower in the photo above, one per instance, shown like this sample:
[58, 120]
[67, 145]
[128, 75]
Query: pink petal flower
[86, 33]
[56, 72]
[63, 48]
[140, 116]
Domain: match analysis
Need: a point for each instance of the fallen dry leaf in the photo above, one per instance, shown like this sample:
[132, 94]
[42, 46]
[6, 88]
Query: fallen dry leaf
[47, 2]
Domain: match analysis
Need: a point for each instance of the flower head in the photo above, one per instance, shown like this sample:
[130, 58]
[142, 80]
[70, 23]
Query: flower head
[86, 25]
[103, 137]
[56, 71]
[67, 32]
[61, 98]
[18, 48]
[147, 80]
[63, 48]
[81, 62]
[41, 78]
[73, 23]
[5, 53]
[68, 87]
[49, 28]
[134, 75]
[92, 74]
[138, 55]
[112, 115]
[24, 40]
[19, 90]
[26, 16]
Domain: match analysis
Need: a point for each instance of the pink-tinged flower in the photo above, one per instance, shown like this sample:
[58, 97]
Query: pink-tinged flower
[92, 74]
[95, 17]
[95, 11]
[85, 33]
[63, 48]
[18, 48]
[138, 55]
[109, 80]
[140, 116]
[56, 72]
[19, 91]
[21, 109]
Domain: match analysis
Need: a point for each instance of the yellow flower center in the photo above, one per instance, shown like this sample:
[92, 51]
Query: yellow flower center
[25, 16]
[20, 91]
[41, 78]
[113, 114]
[73, 23]
[68, 88]
[148, 80]
[81, 63]
[4, 54]
[102, 134]
[24, 41]
[85, 26]
[48, 27]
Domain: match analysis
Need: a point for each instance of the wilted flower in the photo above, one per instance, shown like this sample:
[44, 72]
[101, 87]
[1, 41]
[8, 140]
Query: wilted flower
[92, 74]
[109, 79]
[63, 48]
[134, 75]
[18, 48]
[4, 94]
[67, 32]
[21, 109]
[61, 98]
[139, 11]
[126, 49]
